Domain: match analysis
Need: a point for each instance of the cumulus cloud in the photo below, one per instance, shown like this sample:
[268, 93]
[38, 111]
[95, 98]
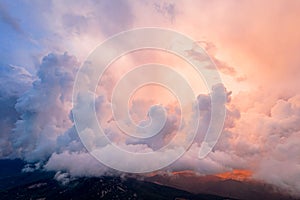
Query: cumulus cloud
[261, 131]
[261, 140]
[281, 163]
[44, 108]
[265, 143]
[14, 81]
[44, 130]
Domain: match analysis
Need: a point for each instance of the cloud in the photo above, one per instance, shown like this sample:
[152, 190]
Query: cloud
[164, 135]
[6, 17]
[14, 81]
[63, 178]
[266, 143]
[76, 163]
[282, 133]
[211, 50]
[44, 108]
[41, 130]
[108, 17]
[166, 9]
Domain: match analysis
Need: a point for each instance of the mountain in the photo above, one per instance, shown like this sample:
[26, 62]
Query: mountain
[246, 189]
[99, 188]
[40, 185]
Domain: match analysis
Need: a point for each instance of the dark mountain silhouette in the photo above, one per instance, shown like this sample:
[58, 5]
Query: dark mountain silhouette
[40, 185]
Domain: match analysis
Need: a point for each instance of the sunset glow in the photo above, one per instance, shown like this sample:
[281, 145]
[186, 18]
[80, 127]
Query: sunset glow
[236, 174]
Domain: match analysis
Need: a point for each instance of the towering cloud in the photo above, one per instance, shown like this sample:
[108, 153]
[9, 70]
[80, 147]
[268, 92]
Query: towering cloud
[14, 81]
[44, 109]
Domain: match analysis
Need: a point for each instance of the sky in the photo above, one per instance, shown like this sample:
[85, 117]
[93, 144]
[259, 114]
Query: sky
[254, 44]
